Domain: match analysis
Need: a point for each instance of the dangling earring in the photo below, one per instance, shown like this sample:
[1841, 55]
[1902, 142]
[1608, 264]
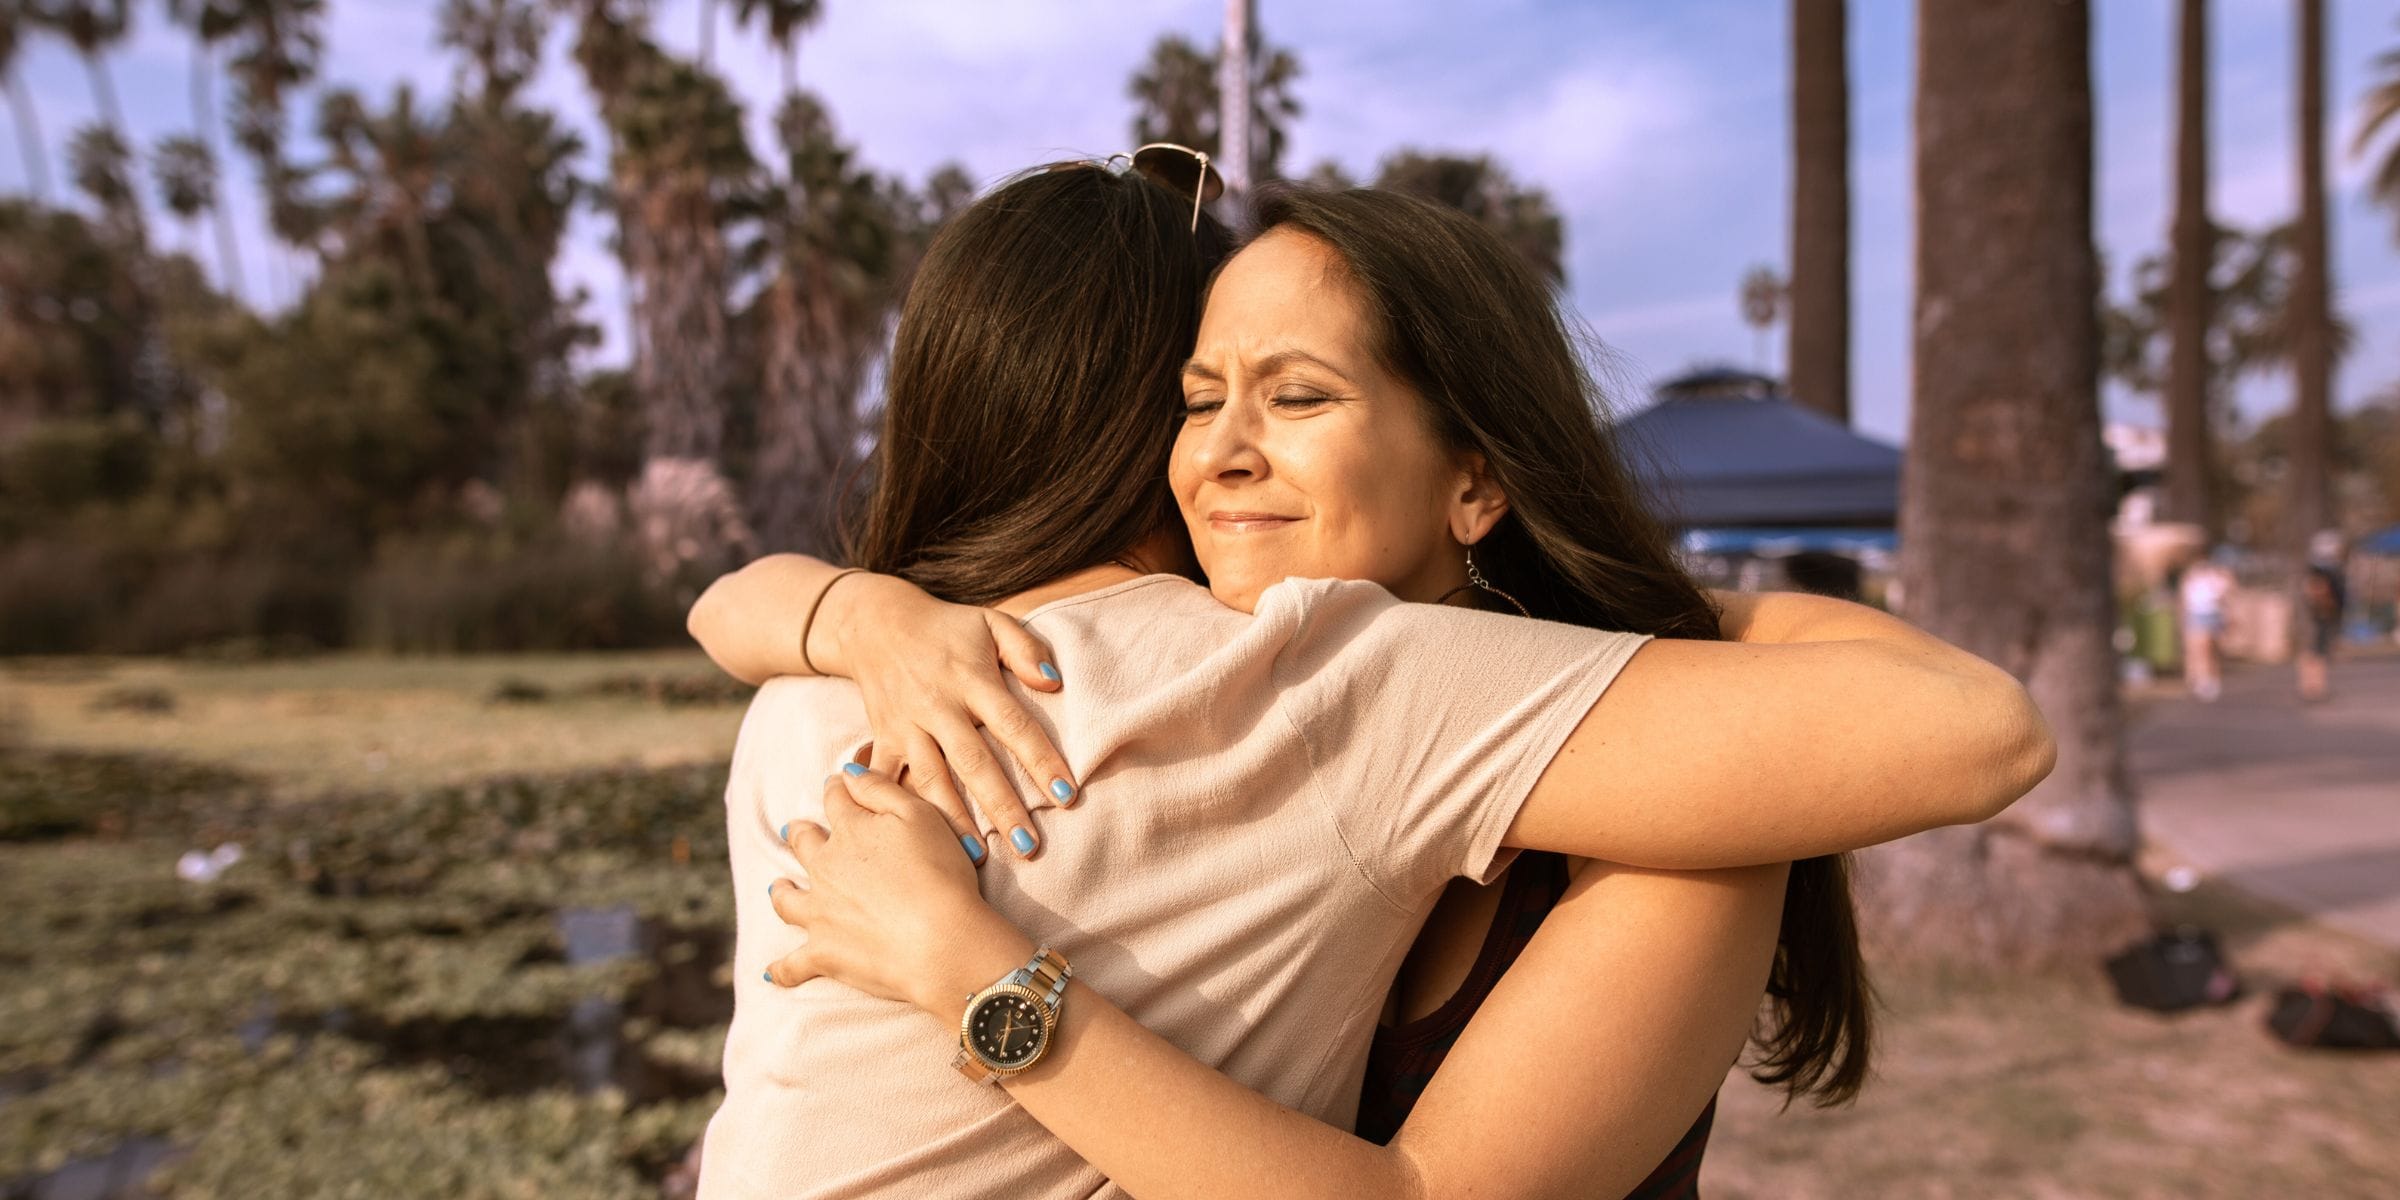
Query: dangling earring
[1476, 580]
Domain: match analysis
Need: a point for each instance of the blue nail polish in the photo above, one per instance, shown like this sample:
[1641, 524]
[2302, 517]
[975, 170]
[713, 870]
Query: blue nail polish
[769, 976]
[785, 833]
[853, 770]
[974, 849]
[1022, 840]
[1062, 789]
[771, 889]
[1050, 672]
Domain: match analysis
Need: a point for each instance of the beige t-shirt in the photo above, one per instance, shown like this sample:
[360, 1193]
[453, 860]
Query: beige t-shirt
[1271, 805]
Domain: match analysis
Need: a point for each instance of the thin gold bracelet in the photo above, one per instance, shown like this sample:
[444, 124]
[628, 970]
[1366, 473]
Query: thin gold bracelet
[810, 621]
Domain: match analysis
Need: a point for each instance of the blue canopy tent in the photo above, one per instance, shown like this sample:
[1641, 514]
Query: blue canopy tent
[1726, 451]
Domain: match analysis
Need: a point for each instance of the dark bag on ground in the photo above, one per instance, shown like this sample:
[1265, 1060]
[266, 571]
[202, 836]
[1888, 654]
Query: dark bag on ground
[2179, 969]
[2312, 1014]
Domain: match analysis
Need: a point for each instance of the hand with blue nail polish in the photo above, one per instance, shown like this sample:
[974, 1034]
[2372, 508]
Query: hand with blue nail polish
[924, 670]
[889, 894]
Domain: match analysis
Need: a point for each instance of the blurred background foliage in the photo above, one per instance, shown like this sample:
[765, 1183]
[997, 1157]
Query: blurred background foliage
[412, 454]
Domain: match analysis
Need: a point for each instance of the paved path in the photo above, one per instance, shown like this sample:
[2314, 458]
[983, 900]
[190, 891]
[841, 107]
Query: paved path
[2298, 804]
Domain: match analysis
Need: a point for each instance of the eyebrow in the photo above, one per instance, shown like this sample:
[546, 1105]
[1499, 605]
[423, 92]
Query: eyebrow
[1269, 365]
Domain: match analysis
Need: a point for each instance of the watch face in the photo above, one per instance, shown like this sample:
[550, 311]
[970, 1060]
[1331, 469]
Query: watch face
[1006, 1030]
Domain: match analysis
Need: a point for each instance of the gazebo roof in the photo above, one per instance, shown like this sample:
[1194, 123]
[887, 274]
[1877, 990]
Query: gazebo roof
[1729, 448]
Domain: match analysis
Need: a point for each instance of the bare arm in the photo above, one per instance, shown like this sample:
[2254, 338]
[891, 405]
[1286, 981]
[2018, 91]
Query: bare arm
[1828, 727]
[1553, 1090]
[930, 673]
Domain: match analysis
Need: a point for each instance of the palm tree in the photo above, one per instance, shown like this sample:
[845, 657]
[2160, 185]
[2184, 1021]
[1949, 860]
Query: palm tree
[388, 169]
[92, 27]
[835, 241]
[101, 165]
[1481, 188]
[784, 20]
[1764, 297]
[2378, 110]
[1237, 53]
[277, 46]
[2006, 493]
[212, 22]
[1177, 100]
[2191, 452]
[2311, 506]
[1817, 357]
[501, 40]
[186, 174]
[13, 29]
[2251, 325]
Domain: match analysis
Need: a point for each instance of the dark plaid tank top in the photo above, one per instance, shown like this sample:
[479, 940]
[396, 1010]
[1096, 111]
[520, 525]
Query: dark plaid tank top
[1404, 1058]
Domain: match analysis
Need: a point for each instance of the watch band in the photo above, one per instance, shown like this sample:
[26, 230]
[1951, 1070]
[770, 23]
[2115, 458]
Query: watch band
[1050, 972]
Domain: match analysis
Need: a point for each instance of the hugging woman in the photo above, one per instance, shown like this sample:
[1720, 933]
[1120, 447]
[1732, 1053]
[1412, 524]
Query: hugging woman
[1302, 801]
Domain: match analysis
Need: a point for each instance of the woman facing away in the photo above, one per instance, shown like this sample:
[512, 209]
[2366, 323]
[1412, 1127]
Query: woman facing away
[1271, 806]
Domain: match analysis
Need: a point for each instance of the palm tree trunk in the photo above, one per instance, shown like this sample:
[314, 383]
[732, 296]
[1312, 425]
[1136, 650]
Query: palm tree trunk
[2190, 450]
[204, 120]
[790, 64]
[1819, 353]
[2006, 493]
[29, 137]
[708, 31]
[104, 94]
[2311, 504]
[1235, 100]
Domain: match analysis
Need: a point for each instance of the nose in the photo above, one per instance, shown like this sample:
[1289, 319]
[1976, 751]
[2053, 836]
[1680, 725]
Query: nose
[1228, 448]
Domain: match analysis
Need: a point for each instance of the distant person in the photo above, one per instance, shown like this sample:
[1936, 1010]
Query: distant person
[1825, 574]
[2322, 599]
[2202, 598]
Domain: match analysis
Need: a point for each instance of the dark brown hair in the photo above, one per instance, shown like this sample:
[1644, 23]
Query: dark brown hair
[1034, 388]
[1470, 324]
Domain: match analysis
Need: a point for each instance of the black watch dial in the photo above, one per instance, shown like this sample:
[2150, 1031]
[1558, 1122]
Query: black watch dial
[1006, 1031]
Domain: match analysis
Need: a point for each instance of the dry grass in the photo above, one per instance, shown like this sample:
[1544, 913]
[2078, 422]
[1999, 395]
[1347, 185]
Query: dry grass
[356, 721]
[2029, 1088]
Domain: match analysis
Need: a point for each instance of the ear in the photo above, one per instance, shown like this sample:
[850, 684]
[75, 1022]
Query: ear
[1478, 503]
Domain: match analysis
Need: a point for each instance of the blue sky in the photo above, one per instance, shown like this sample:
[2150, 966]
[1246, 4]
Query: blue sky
[1659, 130]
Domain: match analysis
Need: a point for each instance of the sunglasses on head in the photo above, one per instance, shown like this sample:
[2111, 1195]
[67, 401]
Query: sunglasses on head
[1179, 169]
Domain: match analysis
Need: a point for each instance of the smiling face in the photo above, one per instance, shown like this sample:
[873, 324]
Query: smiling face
[1301, 454]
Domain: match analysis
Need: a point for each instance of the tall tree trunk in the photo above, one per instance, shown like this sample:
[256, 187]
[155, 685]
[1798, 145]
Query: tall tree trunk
[789, 63]
[1819, 350]
[204, 121]
[29, 137]
[708, 31]
[104, 94]
[2189, 494]
[817, 354]
[681, 360]
[2005, 502]
[1234, 83]
[2311, 504]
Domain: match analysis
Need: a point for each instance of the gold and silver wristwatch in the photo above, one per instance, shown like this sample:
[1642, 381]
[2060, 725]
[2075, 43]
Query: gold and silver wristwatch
[1008, 1025]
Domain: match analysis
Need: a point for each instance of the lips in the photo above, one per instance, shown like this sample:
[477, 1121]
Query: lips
[1248, 522]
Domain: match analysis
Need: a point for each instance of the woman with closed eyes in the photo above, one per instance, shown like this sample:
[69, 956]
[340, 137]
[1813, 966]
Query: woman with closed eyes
[1283, 926]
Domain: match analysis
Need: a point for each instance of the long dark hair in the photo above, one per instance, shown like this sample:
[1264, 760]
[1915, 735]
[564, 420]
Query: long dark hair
[1035, 384]
[1469, 323]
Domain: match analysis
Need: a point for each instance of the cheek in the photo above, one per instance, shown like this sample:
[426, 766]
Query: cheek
[1370, 498]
